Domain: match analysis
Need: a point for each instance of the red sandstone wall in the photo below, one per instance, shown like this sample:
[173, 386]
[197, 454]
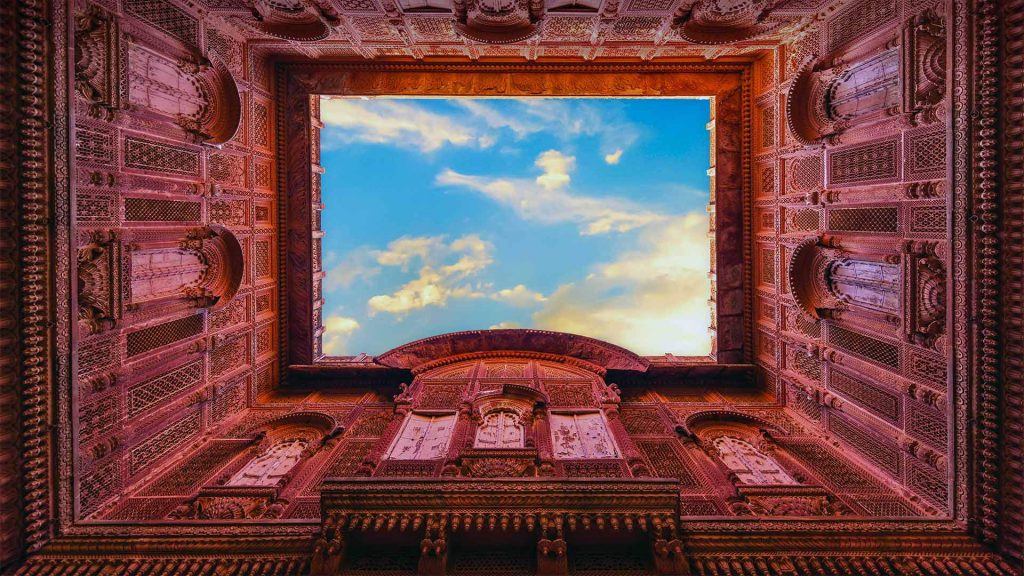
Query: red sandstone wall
[164, 148]
[875, 378]
[651, 427]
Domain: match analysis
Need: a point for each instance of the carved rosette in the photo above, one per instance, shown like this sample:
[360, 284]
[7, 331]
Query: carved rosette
[295, 20]
[498, 21]
[724, 22]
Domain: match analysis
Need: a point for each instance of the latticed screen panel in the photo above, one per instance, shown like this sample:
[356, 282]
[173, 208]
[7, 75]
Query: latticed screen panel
[881, 452]
[94, 146]
[876, 400]
[865, 346]
[928, 425]
[926, 154]
[142, 341]
[804, 174]
[874, 220]
[159, 157]
[159, 210]
[160, 444]
[99, 486]
[152, 392]
[871, 163]
[166, 17]
[767, 266]
[928, 220]
[666, 461]
[643, 421]
[829, 467]
[186, 477]
[858, 20]
[927, 482]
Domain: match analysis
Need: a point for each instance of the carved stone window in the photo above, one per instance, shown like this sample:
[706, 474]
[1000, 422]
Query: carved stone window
[750, 465]
[500, 429]
[581, 436]
[271, 466]
[423, 437]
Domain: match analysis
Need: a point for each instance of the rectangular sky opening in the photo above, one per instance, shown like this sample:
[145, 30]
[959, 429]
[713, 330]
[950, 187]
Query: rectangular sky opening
[581, 215]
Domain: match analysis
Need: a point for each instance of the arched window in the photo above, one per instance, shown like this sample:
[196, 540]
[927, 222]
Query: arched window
[500, 429]
[750, 465]
[270, 467]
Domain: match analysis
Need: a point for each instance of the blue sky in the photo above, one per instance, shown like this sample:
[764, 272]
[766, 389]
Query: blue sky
[579, 215]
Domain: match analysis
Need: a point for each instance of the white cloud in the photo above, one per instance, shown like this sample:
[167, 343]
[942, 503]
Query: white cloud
[504, 325]
[393, 122]
[404, 250]
[446, 272]
[519, 296]
[544, 199]
[520, 124]
[556, 167]
[614, 157]
[651, 298]
[358, 264]
[337, 330]
[385, 121]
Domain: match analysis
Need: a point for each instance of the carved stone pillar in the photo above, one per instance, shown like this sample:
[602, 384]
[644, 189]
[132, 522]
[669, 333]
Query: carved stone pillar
[542, 433]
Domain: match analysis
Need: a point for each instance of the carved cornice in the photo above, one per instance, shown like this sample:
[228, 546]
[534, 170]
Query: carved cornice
[590, 350]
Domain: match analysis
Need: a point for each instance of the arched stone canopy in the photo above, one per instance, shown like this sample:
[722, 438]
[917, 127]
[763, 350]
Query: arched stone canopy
[603, 354]
[808, 283]
[225, 262]
[222, 118]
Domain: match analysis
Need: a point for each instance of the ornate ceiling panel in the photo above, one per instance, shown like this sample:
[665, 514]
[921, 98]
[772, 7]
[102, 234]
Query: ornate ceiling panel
[519, 29]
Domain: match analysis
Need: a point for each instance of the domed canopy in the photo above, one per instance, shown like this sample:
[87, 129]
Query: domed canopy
[595, 351]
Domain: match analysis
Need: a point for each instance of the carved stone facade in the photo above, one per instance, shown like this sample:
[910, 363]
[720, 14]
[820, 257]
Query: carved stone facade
[165, 407]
